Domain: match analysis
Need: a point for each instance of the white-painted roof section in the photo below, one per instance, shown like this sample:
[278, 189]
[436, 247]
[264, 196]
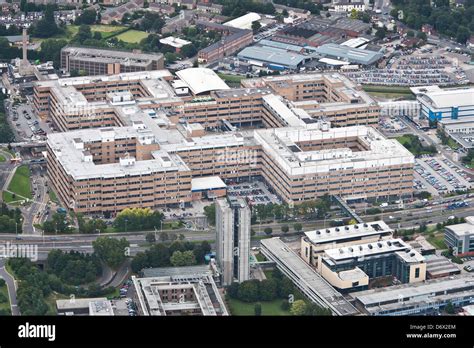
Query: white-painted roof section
[200, 80]
[245, 21]
[207, 183]
[174, 42]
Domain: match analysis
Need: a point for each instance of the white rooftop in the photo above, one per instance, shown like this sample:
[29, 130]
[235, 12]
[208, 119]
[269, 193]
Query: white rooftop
[446, 98]
[349, 231]
[174, 42]
[207, 183]
[245, 21]
[461, 230]
[200, 80]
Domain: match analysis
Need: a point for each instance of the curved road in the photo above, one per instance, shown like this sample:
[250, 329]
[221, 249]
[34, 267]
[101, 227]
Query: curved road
[10, 281]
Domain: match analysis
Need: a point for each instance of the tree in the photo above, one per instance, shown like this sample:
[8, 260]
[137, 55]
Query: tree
[210, 212]
[256, 26]
[185, 258]
[285, 228]
[47, 27]
[449, 308]
[189, 50]
[111, 250]
[298, 308]
[422, 36]
[268, 290]
[410, 33]
[463, 34]
[150, 237]
[137, 219]
[268, 231]
[87, 17]
[297, 227]
[164, 236]
[258, 309]
[233, 289]
[380, 33]
[249, 291]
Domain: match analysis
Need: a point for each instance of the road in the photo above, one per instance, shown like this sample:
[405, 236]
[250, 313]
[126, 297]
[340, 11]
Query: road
[411, 218]
[10, 282]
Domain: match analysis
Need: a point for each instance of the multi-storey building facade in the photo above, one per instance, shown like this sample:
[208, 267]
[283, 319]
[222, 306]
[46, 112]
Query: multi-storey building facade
[233, 239]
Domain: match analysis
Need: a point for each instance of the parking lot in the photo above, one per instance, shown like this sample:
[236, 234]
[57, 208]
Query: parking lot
[392, 125]
[440, 174]
[27, 125]
[256, 192]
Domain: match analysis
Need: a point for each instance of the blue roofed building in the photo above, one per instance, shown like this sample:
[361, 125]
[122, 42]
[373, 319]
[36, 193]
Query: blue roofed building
[441, 104]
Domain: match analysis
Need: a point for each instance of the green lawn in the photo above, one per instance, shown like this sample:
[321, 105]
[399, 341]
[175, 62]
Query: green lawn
[106, 31]
[8, 198]
[2, 158]
[260, 257]
[5, 305]
[52, 196]
[20, 183]
[237, 307]
[231, 78]
[438, 241]
[132, 36]
[387, 89]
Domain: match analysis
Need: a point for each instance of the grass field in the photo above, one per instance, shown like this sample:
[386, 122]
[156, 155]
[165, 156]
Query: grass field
[20, 183]
[231, 78]
[2, 158]
[106, 31]
[5, 305]
[438, 241]
[132, 36]
[237, 307]
[52, 196]
[386, 89]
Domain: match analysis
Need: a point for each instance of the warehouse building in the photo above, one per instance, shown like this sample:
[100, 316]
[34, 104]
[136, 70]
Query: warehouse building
[272, 57]
[441, 104]
[460, 130]
[348, 54]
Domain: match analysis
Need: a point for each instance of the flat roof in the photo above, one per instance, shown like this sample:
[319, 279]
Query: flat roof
[272, 55]
[200, 80]
[207, 183]
[398, 246]
[403, 295]
[466, 228]
[349, 231]
[353, 55]
[174, 41]
[77, 303]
